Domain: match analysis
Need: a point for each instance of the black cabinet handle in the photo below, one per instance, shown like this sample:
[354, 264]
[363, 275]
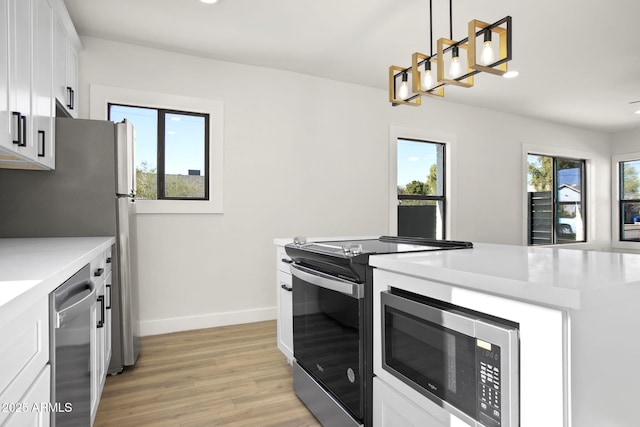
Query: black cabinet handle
[109, 260]
[69, 95]
[98, 272]
[286, 288]
[15, 128]
[287, 261]
[23, 133]
[110, 296]
[41, 143]
[101, 321]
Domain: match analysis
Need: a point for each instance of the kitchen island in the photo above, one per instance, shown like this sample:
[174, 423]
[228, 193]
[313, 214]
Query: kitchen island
[578, 323]
[30, 269]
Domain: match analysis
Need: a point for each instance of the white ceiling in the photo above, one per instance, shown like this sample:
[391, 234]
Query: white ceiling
[579, 60]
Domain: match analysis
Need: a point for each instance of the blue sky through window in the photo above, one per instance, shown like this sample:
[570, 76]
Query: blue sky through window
[414, 160]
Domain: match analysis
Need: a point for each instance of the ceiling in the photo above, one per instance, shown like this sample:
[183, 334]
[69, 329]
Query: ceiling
[579, 61]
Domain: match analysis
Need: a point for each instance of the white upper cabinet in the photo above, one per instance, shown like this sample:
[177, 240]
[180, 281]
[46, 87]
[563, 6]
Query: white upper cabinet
[43, 101]
[20, 31]
[67, 46]
[38, 47]
[5, 114]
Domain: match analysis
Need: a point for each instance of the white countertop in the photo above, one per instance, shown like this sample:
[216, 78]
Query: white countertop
[564, 278]
[31, 268]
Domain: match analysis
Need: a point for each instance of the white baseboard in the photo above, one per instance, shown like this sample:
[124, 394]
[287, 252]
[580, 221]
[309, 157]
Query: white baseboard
[177, 324]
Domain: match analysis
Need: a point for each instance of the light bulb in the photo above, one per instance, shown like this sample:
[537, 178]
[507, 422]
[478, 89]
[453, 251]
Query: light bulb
[456, 68]
[404, 87]
[487, 53]
[404, 90]
[427, 80]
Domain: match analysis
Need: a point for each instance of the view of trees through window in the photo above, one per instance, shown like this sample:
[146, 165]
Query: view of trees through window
[556, 202]
[630, 200]
[171, 152]
[420, 188]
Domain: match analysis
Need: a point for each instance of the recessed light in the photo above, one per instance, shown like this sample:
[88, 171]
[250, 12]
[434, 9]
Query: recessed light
[511, 74]
[209, 1]
[638, 112]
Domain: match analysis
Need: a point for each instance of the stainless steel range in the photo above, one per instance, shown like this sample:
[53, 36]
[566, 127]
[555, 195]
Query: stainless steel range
[332, 322]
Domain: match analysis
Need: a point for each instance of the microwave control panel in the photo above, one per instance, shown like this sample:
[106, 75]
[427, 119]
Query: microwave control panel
[488, 372]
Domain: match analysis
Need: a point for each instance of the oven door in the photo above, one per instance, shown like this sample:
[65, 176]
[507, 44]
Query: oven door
[328, 334]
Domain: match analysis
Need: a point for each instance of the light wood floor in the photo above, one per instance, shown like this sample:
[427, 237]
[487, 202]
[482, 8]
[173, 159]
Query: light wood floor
[226, 376]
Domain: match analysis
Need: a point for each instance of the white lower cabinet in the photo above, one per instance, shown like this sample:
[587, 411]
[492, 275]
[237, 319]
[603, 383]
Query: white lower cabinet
[285, 315]
[392, 409]
[284, 291]
[24, 357]
[100, 330]
[107, 327]
[33, 408]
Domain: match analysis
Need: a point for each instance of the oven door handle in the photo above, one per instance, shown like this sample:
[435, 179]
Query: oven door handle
[326, 281]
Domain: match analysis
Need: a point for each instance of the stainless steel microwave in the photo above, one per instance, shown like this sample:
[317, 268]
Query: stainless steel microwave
[466, 362]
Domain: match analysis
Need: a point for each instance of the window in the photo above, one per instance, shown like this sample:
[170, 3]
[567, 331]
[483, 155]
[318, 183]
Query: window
[171, 152]
[556, 202]
[420, 188]
[100, 97]
[629, 202]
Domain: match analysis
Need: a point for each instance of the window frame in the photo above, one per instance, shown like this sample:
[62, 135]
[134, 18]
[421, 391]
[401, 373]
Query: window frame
[556, 204]
[616, 206]
[100, 96]
[587, 193]
[436, 199]
[161, 134]
[448, 141]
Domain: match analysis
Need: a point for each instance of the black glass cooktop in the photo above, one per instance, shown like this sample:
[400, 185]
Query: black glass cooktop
[351, 257]
[382, 245]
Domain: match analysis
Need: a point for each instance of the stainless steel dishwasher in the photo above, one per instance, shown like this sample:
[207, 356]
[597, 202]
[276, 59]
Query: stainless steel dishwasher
[70, 308]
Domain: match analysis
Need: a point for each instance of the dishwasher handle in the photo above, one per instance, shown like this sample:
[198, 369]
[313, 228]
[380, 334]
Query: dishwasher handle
[78, 306]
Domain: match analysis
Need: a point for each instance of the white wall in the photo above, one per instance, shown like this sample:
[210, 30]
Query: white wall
[309, 156]
[626, 142]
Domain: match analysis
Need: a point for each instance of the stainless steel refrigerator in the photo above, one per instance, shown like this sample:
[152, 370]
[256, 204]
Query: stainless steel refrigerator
[90, 193]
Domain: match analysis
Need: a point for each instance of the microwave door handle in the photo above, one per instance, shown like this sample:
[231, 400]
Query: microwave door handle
[327, 282]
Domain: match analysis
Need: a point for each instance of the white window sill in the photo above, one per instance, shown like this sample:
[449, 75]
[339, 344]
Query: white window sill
[177, 207]
[625, 245]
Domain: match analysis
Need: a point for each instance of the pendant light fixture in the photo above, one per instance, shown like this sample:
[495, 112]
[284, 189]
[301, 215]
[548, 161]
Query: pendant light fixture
[427, 84]
[486, 48]
[458, 70]
[500, 30]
